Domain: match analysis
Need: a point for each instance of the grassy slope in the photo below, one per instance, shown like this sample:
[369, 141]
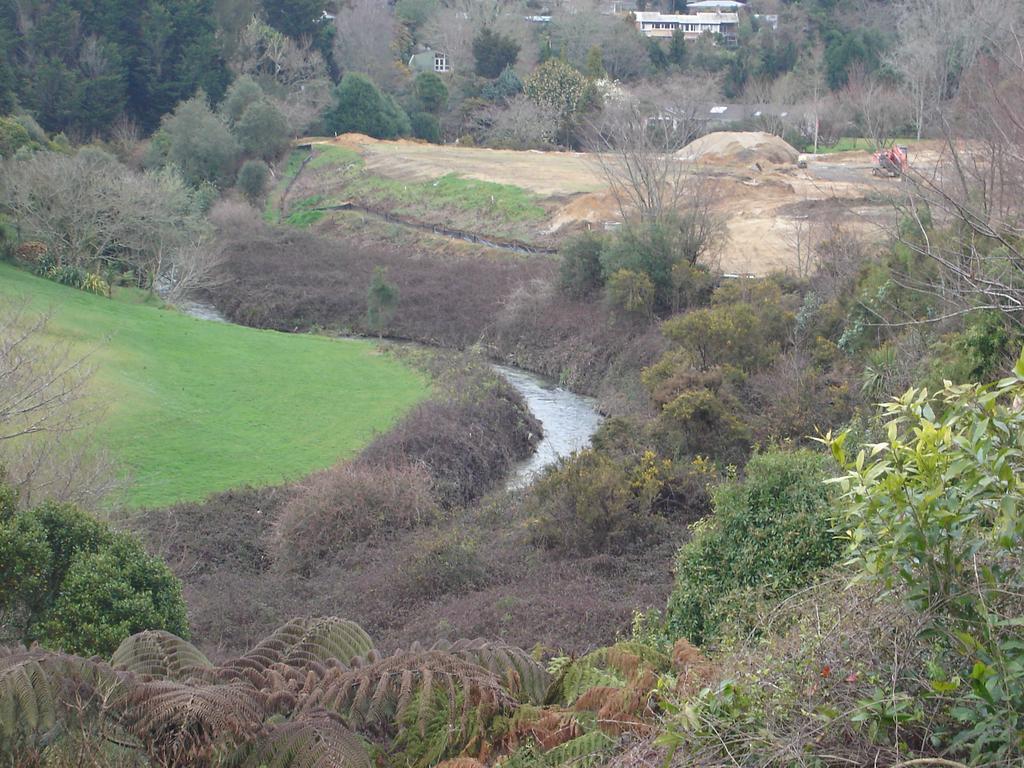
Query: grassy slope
[470, 204]
[194, 407]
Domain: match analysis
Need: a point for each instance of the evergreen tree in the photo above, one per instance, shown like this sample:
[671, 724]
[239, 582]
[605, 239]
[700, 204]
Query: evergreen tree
[677, 49]
[381, 300]
[493, 52]
[359, 107]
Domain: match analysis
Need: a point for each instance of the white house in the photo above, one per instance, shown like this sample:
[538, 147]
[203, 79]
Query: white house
[654, 24]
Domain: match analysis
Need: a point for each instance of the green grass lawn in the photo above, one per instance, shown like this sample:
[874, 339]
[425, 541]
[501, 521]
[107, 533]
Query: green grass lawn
[192, 407]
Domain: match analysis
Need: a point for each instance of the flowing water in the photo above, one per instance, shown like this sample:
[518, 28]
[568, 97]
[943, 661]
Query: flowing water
[569, 420]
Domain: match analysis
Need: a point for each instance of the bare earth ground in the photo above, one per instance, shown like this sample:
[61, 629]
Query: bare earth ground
[764, 203]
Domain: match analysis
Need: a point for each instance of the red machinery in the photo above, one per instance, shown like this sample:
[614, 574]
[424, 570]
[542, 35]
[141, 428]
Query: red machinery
[891, 162]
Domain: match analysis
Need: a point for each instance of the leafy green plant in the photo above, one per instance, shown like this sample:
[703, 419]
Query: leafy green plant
[935, 508]
[771, 531]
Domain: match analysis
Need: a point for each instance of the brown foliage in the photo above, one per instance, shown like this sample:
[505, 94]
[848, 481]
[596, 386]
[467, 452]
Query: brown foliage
[349, 502]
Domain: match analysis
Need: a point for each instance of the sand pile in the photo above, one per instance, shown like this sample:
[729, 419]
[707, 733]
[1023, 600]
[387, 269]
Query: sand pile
[739, 148]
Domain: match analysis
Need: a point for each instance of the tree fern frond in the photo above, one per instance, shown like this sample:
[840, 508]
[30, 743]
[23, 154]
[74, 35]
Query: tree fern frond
[316, 739]
[582, 752]
[33, 687]
[525, 677]
[307, 642]
[158, 654]
[180, 723]
[376, 692]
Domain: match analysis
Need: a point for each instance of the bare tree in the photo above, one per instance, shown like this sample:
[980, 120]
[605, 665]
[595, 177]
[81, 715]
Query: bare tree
[292, 73]
[367, 41]
[93, 212]
[523, 124]
[966, 216]
[879, 109]
[44, 452]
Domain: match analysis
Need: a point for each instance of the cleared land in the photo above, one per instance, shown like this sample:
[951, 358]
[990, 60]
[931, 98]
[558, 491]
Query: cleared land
[539, 197]
[191, 407]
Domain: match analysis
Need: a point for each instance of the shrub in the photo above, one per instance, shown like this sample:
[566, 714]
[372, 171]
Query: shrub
[580, 269]
[242, 94]
[504, 88]
[704, 422]
[252, 179]
[631, 292]
[591, 503]
[431, 92]
[13, 137]
[347, 503]
[262, 130]
[771, 531]
[359, 107]
[198, 142]
[727, 334]
[426, 126]
[493, 52]
[935, 509]
[68, 581]
[446, 564]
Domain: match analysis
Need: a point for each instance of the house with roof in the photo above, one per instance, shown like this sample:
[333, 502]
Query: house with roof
[655, 24]
[712, 6]
[430, 61]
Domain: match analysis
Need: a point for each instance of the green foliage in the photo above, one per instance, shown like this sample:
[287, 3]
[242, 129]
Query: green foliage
[13, 137]
[493, 52]
[654, 249]
[381, 300]
[426, 126]
[431, 92]
[743, 331]
[580, 273]
[595, 63]
[592, 503]
[109, 594]
[415, 13]
[198, 142]
[252, 180]
[242, 94]
[771, 531]
[630, 291]
[557, 85]
[705, 422]
[504, 88]
[262, 130]
[71, 583]
[677, 49]
[296, 18]
[936, 508]
[359, 107]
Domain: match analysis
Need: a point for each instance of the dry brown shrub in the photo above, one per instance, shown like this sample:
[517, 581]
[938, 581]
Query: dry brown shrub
[692, 667]
[347, 503]
[461, 762]
[546, 727]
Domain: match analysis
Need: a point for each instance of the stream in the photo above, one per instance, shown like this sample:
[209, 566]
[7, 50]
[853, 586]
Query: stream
[569, 420]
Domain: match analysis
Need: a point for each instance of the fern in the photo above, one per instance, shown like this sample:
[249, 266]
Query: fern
[523, 675]
[316, 739]
[301, 642]
[33, 686]
[383, 690]
[582, 752]
[437, 737]
[158, 654]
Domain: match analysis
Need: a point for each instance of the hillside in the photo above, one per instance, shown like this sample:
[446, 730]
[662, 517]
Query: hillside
[539, 198]
[190, 407]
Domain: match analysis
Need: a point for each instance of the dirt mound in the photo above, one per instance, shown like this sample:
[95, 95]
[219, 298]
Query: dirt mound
[735, 148]
[594, 208]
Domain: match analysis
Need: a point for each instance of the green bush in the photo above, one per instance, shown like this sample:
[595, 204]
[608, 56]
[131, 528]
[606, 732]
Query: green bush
[580, 273]
[771, 531]
[632, 292]
[198, 142]
[67, 581]
[359, 107]
[426, 126]
[13, 137]
[431, 92]
[262, 130]
[591, 503]
[936, 509]
[252, 179]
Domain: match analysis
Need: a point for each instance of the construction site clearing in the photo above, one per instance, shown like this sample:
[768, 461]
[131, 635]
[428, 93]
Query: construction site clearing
[775, 201]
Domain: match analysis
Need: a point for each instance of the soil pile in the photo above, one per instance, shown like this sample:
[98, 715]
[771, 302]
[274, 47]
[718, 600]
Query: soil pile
[735, 148]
